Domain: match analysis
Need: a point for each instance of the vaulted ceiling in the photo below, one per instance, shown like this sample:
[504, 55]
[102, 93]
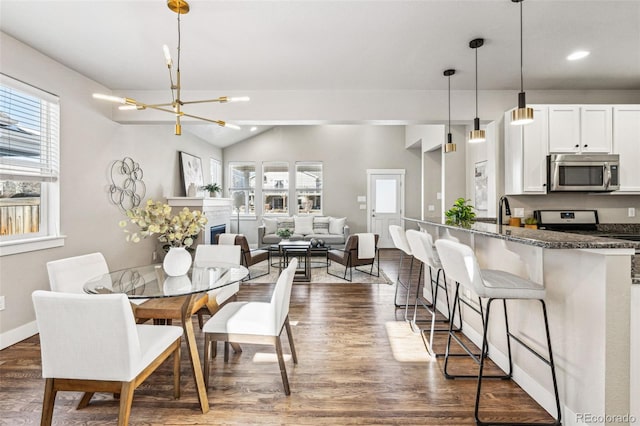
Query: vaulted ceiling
[336, 45]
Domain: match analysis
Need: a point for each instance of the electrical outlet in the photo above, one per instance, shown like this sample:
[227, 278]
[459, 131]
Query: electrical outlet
[2, 303]
[154, 256]
[632, 212]
[431, 208]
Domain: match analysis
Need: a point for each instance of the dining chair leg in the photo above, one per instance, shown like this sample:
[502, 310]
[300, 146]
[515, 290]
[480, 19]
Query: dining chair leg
[176, 373]
[206, 360]
[200, 320]
[290, 337]
[86, 398]
[226, 351]
[47, 402]
[283, 369]
[126, 399]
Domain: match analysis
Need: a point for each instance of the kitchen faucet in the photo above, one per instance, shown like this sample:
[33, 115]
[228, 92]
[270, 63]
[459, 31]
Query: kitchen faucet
[507, 210]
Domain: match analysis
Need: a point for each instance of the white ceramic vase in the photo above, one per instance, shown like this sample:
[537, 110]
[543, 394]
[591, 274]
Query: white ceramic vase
[177, 262]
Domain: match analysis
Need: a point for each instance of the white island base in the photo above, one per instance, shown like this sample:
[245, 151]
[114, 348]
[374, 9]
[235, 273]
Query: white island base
[589, 306]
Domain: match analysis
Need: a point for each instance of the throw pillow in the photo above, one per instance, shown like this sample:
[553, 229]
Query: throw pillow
[336, 225]
[270, 225]
[304, 225]
[320, 225]
[285, 223]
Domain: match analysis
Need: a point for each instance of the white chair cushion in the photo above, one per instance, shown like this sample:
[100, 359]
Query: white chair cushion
[253, 318]
[504, 285]
[224, 293]
[154, 339]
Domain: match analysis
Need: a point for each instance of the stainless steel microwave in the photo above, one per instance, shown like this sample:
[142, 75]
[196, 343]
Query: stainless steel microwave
[583, 172]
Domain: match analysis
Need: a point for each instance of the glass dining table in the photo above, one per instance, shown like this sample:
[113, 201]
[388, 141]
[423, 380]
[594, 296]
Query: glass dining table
[171, 298]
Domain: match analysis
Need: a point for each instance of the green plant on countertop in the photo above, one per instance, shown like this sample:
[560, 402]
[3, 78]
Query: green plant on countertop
[531, 221]
[461, 214]
[213, 188]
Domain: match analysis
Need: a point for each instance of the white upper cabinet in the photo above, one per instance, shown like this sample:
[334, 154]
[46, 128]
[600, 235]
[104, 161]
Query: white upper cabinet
[564, 129]
[580, 129]
[596, 128]
[626, 143]
[526, 149]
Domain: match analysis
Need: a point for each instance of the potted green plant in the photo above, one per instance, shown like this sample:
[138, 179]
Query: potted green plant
[213, 188]
[284, 233]
[531, 222]
[461, 214]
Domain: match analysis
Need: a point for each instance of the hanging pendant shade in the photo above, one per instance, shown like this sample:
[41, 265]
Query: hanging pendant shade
[449, 146]
[523, 114]
[476, 135]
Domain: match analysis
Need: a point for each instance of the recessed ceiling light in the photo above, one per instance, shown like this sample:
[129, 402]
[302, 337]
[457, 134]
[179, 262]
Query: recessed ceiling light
[253, 129]
[579, 54]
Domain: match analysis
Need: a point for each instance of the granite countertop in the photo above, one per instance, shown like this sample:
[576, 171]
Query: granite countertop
[538, 237]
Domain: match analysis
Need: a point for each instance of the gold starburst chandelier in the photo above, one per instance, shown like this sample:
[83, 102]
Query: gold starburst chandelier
[175, 106]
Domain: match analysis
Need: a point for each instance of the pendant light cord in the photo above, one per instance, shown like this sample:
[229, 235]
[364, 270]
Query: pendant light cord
[449, 80]
[476, 49]
[521, 62]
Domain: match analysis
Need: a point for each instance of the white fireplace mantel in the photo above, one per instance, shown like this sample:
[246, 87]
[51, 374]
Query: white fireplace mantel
[216, 210]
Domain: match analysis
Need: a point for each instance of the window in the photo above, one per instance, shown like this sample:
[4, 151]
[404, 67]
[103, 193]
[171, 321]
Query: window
[309, 187]
[275, 188]
[242, 187]
[215, 168]
[29, 159]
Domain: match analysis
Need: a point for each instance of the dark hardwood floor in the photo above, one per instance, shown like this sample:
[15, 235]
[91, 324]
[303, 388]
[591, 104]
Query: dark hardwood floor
[346, 375]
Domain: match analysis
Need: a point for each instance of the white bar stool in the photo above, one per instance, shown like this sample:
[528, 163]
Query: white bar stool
[461, 265]
[421, 245]
[400, 241]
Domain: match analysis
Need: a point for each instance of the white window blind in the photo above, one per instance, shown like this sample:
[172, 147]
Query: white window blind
[29, 132]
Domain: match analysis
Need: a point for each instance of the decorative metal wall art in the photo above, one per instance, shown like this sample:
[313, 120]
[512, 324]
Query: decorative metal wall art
[127, 188]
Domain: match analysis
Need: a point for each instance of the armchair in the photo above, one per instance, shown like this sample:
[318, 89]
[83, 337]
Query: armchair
[250, 257]
[349, 257]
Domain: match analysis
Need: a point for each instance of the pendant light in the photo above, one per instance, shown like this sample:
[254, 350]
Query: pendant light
[521, 115]
[174, 107]
[476, 135]
[449, 146]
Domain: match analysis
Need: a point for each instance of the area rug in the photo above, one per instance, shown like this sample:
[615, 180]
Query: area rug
[319, 275]
[406, 345]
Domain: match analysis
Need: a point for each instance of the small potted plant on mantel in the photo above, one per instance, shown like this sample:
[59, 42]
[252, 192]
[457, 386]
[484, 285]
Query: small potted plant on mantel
[214, 189]
[531, 223]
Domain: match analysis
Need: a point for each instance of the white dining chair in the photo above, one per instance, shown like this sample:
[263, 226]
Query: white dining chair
[217, 253]
[254, 323]
[91, 343]
[70, 274]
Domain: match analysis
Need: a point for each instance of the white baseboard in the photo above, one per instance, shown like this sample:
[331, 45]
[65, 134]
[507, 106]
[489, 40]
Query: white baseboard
[11, 337]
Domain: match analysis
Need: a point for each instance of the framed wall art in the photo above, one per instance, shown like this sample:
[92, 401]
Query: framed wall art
[191, 172]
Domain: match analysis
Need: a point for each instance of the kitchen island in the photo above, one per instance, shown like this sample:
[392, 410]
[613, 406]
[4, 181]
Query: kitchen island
[593, 316]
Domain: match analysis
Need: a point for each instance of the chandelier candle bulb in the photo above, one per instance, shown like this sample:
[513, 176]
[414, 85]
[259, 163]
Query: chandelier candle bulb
[167, 55]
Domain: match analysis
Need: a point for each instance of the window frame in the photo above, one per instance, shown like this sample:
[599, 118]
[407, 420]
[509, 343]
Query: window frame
[299, 189]
[269, 191]
[231, 165]
[49, 235]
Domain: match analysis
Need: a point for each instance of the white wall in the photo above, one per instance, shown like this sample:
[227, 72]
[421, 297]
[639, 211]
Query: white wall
[89, 143]
[346, 152]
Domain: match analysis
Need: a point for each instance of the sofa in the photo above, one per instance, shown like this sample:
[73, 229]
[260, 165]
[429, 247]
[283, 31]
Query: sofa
[333, 231]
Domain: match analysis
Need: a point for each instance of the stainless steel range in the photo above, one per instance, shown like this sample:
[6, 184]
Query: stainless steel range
[577, 221]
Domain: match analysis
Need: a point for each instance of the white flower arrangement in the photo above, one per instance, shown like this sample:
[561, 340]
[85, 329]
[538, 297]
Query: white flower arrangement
[178, 230]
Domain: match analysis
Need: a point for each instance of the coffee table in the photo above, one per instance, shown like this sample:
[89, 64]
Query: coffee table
[301, 250]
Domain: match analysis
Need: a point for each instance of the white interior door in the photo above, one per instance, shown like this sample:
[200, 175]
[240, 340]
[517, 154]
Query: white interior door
[386, 203]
